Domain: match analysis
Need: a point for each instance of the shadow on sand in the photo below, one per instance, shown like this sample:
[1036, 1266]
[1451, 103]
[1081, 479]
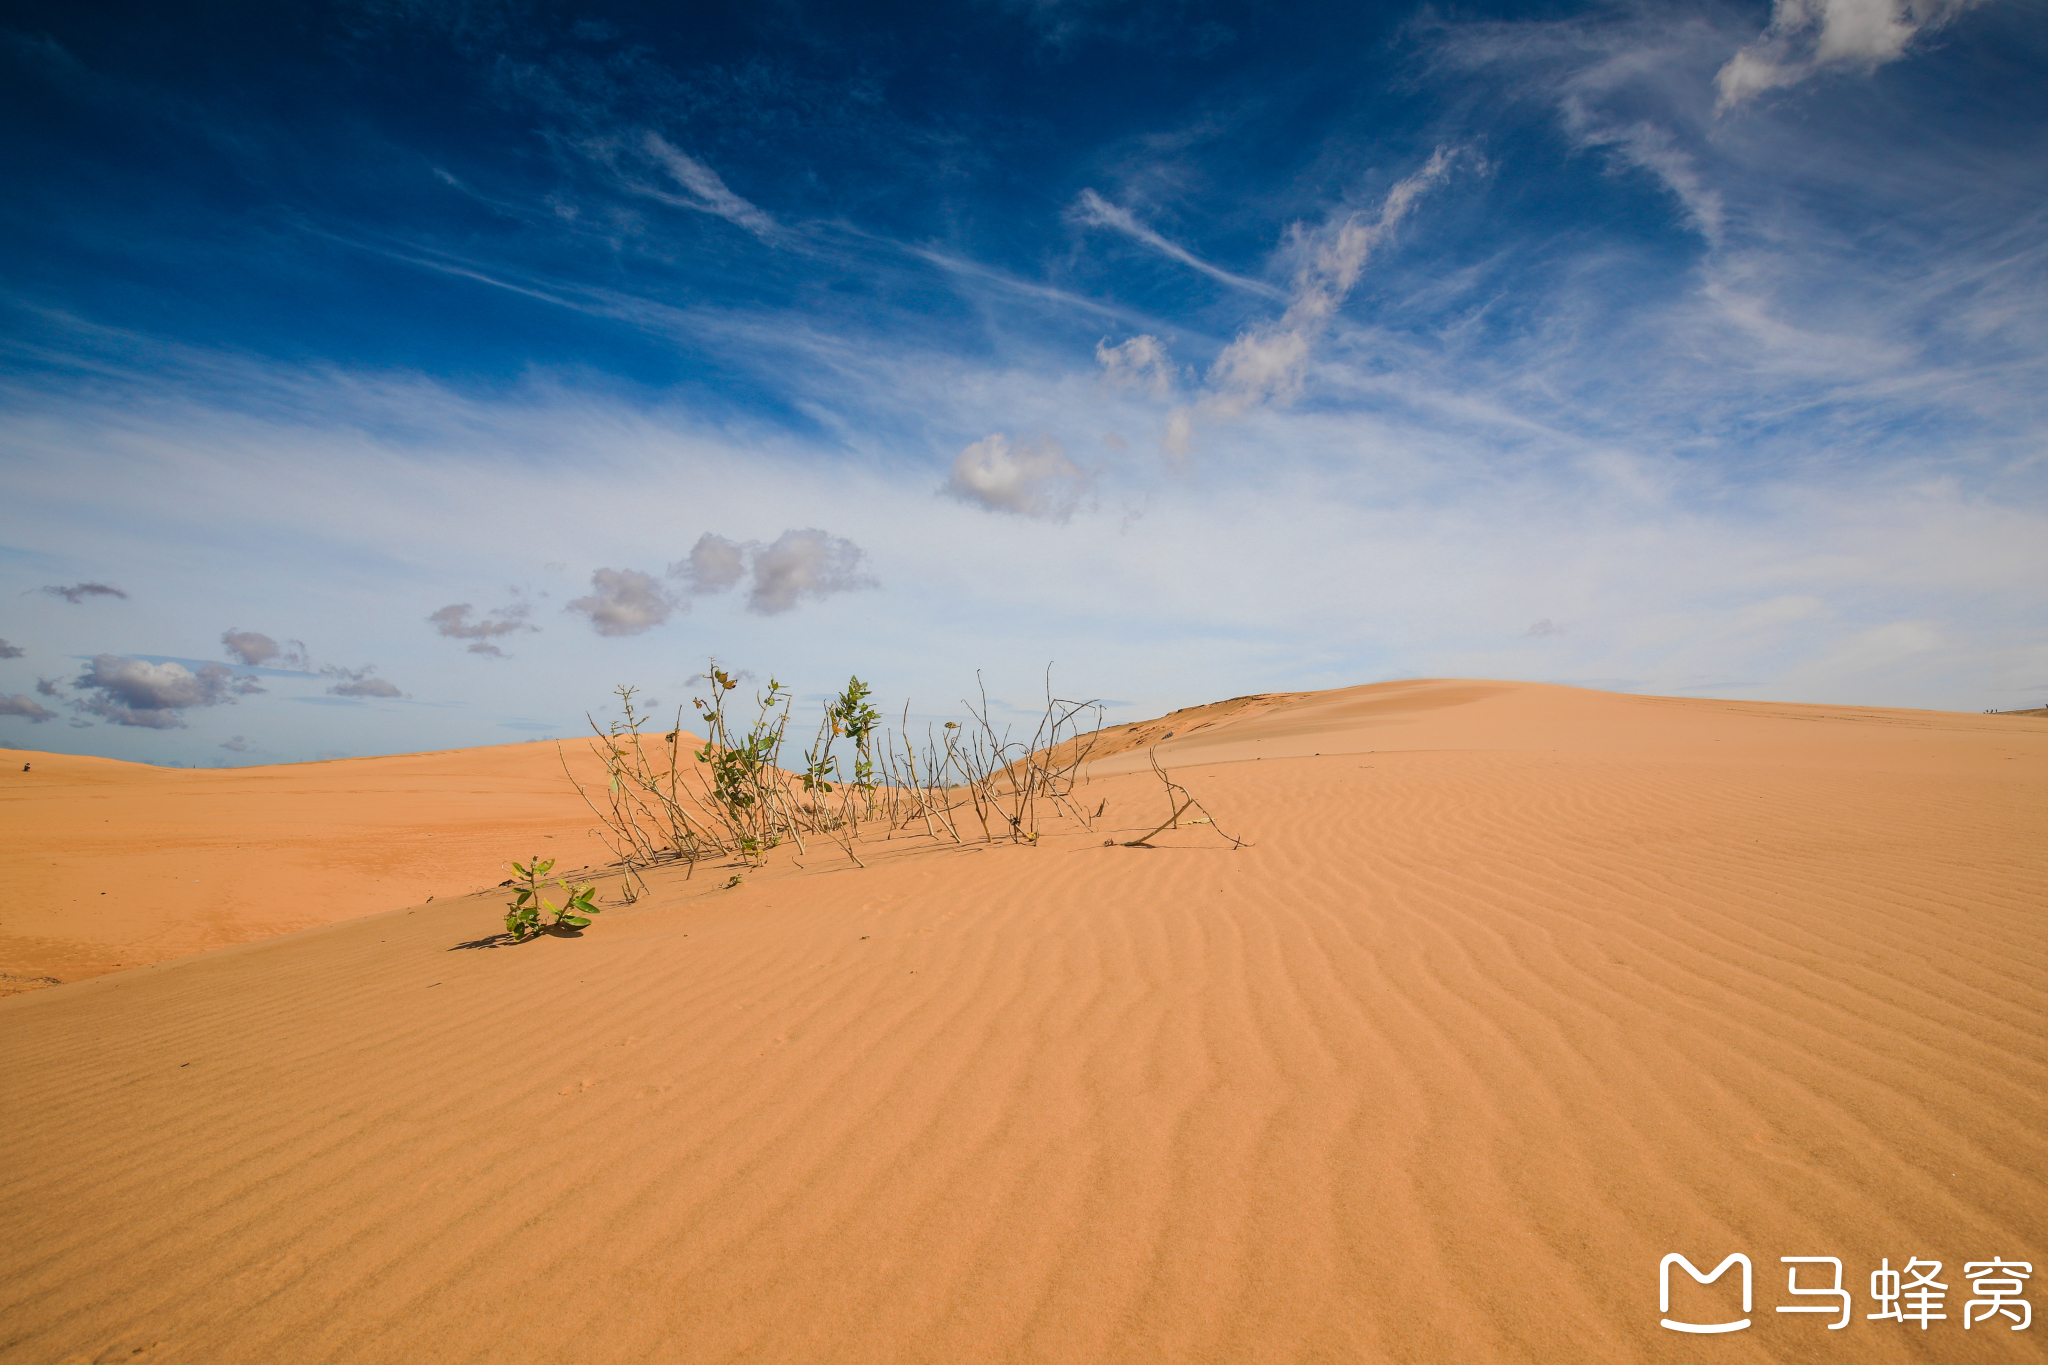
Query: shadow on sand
[507, 941]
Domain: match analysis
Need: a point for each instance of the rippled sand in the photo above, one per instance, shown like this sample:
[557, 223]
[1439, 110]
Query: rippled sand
[1517, 989]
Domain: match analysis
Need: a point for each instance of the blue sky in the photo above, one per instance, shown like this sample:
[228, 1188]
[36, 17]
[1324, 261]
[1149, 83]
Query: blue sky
[411, 373]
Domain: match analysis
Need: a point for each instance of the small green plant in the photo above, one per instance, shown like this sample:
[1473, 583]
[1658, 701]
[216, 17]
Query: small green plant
[523, 918]
[850, 714]
[746, 787]
[853, 715]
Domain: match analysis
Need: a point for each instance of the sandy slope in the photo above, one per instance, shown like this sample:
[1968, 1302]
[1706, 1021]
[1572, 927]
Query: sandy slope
[124, 864]
[1519, 989]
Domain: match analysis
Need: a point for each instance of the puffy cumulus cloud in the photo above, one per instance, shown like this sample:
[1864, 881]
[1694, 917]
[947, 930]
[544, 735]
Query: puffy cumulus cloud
[27, 707]
[1140, 363]
[154, 696]
[257, 649]
[453, 621]
[804, 564]
[1806, 36]
[1268, 363]
[1035, 479]
[8, 651]
[236, 745]
[46, 687]
[1545, 627]
[80, 592]
[798, 564]
[715, 564]
[359, 682]
[624, 602]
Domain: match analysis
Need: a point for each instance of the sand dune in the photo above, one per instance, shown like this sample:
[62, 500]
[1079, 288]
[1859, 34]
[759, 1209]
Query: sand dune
[129, 865]
[1517, 989]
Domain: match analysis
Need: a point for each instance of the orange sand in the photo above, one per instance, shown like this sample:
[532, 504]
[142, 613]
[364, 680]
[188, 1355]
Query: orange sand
[125, 865]
[1518, 989]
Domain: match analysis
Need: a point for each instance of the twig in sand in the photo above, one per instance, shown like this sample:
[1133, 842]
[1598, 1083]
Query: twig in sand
[1175, 792]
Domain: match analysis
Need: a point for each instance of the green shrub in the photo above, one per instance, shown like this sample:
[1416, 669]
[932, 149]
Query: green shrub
[524, 916]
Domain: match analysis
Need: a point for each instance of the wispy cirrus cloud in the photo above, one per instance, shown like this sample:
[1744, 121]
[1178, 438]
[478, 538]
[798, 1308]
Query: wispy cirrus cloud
[84, 592]
[1095, 211]
[705, 191]
[1266, 363]
[1799, 311]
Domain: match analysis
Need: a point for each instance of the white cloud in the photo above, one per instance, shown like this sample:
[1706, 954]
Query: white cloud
[1812, 303]
[708, 193]
[803, 564]
[1179, 441]
[366, 687]
[1035, 479]
[1807, 36]
[1139, 363]
[798, 564]
[1655, 150]
[453, 621]
[1267, 364]
[28, 707]
[1092, 209]
[153, 696]
[624, 602]
[715, 564]
[255, 649]
[359, 682]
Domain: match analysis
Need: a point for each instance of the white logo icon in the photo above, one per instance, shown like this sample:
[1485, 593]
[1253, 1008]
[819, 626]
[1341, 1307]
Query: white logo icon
[1664, 1291]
